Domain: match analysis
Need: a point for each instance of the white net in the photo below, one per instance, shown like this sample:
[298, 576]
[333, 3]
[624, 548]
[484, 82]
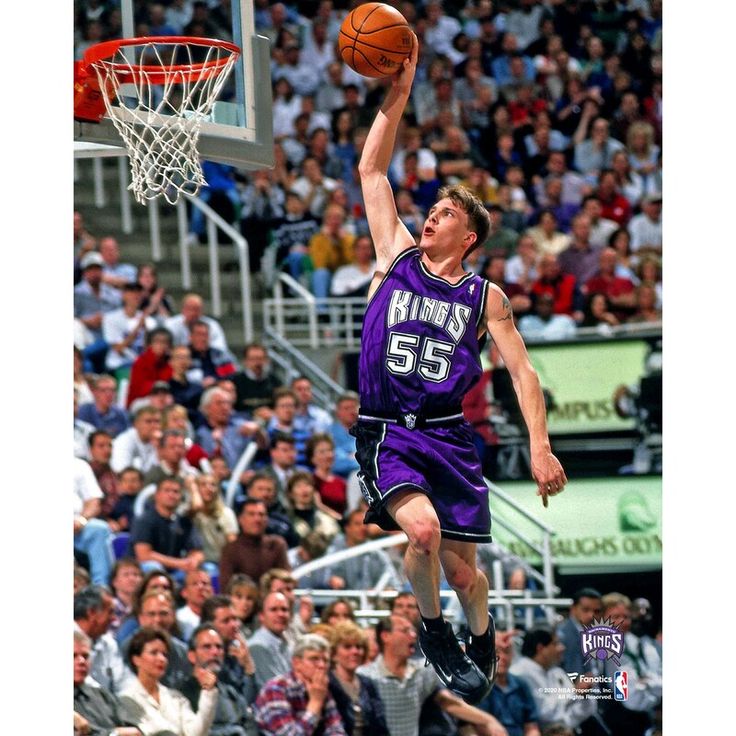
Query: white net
[158, 95]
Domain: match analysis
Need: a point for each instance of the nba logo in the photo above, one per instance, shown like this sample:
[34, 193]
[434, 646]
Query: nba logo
[621, 686]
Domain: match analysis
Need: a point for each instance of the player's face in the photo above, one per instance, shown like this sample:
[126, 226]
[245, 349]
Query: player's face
[446, 229]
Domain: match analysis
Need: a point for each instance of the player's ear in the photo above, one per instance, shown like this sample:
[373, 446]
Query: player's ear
[470, 238]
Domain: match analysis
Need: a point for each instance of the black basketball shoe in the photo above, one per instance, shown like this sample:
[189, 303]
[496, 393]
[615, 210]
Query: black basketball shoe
[482, 651]
[454, 668]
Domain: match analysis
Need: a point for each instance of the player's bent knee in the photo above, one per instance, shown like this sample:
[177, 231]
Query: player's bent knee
[424, 535]
[462, 578]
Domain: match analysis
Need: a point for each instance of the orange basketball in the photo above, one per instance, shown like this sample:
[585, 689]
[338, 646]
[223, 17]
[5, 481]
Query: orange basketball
[375, 39]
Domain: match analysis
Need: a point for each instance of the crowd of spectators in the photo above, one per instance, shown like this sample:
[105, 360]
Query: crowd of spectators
[551, 112]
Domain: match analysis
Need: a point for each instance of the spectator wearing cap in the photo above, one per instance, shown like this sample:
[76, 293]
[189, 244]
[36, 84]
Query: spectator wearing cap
[646, 227]
[124, 329]
[114, 272]
[92, 299]
[151, 365]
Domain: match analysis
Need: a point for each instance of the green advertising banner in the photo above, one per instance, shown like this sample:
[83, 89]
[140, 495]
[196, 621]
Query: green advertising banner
[600, 524]
[582, 378]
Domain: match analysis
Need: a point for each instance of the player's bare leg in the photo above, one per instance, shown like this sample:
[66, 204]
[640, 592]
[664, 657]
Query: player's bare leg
[458, 560]
[415, 514]
[470, 584]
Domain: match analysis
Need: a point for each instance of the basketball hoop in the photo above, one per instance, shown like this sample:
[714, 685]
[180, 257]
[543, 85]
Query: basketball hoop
[157, 91]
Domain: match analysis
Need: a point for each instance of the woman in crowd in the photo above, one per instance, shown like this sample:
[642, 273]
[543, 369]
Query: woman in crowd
[646, 304]
[244, 596]
[215, 522]
[620, 241]
[154, 296]
[629, 182]
[304, 514]
[643, 152]
[163, 710]
[332, 489]
[598, 312]
[337, 611]
[649, 269]
[356, 696]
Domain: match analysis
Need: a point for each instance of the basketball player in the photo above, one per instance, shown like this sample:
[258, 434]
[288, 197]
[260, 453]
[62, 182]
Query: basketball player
[420, 354]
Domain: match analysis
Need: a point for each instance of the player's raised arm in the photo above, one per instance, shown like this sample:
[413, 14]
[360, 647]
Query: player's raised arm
[546, 468]
[390, 235]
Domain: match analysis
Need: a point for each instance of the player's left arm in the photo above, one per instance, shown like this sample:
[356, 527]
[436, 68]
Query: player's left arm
[546, 468]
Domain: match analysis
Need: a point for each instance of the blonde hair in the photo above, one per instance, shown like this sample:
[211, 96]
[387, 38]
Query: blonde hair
[348, 632]
[640, 127]
[216, 506]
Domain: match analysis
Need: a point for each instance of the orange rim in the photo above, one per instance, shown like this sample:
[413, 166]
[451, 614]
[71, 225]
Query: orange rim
[101, 52]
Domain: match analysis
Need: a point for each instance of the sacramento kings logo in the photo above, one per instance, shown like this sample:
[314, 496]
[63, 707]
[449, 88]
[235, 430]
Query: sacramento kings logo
[410, 420]
[602, 641]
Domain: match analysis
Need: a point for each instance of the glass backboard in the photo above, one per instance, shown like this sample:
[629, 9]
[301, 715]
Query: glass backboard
[240, 131]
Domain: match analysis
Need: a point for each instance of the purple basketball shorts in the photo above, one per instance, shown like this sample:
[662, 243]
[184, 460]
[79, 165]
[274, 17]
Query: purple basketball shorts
[440, 462]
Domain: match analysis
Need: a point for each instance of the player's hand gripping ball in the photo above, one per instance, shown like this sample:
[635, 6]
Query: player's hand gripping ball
[374, 40]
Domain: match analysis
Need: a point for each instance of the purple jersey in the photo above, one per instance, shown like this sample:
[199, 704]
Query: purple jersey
[419, 347]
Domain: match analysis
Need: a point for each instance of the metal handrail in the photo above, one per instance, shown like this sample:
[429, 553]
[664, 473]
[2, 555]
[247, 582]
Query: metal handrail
[325, 389]
[240, 243]
[241, 466]
[305, 297]
[346, 315]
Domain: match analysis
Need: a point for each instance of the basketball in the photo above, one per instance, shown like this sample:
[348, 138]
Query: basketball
[375, 39]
